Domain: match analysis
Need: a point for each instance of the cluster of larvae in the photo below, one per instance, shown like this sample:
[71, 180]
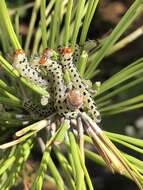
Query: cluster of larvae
[48, 71]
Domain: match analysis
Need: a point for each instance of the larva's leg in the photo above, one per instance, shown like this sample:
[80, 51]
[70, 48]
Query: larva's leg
[97, 86]
[89, 86]
[45, 100]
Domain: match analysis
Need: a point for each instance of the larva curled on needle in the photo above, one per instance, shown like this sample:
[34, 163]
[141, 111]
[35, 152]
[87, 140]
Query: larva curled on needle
[54, 70]
[66, 60]
[22, 64]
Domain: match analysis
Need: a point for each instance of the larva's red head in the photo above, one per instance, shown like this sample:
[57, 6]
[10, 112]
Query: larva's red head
[46, 54]
[43, 60]
[66, 50]
[18, 52]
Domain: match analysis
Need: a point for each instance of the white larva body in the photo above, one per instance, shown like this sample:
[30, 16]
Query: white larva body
[34, 63]
[66, 59]
[54, 70]
[22, 65]
[38, 109]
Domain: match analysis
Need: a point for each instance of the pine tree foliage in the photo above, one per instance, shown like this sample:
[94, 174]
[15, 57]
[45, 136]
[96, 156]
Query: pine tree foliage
[65, 23]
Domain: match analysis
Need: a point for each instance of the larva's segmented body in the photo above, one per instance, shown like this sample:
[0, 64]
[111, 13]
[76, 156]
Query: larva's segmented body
[66, 59]
[54, 70]
[34, 63]
[22, 65]
[38, 109]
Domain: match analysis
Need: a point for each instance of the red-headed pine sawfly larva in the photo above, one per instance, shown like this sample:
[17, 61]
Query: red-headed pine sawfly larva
[34, 64]
[54, 70]
[22, 65]
[37, 109]
[30, 72]
[76, 53]
[66, 60]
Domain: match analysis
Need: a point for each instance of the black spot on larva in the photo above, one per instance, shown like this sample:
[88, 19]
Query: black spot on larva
[77, 80]
[60, 107]
[24, 60]
[33, 73]
[91, 107]
[60, 89]
[80, 86]
[88, 100]
[28, 70]
[84, 93]
[59, 101]
[60, 96]
[26, 66]
[69, 59]
[23, 69]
